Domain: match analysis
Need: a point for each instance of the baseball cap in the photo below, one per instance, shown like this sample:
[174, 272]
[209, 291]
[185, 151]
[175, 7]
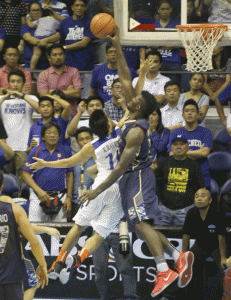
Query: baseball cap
[180, 137]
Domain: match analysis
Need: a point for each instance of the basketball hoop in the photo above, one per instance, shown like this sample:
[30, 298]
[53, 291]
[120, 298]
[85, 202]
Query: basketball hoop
[199, 40]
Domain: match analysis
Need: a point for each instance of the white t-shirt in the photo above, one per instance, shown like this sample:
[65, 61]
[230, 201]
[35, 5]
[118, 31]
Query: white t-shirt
[229, 121]
[17, 118]
[155, 86]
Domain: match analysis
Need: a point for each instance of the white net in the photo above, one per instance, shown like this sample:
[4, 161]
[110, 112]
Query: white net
[199, 43]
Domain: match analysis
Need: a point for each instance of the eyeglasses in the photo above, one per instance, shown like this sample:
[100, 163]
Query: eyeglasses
[52, 132]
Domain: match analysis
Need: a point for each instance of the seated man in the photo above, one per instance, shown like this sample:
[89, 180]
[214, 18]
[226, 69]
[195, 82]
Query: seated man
[46, 109]
[199, 138]
[116, 107]
[150, 78]
[204, 224]
[59, 76]
[11, 57]
[16, 111]
[178, 178]
[77, 36]
[172, 111]
[46, 181]
[103, 75]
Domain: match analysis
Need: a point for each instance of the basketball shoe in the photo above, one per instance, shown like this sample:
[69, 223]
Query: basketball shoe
[184, 266]
[163, 280]
[54, 272]
[72, 263]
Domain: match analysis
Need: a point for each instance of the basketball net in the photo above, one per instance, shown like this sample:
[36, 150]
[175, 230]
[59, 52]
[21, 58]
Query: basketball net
[199, 40]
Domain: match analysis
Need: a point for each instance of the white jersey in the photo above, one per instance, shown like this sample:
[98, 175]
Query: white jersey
[107, 152]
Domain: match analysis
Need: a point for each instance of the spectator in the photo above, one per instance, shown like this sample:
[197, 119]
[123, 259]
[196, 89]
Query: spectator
[222, 98]
[194, 16]
[206, 225]
[11, 57]
[82, 181]
[133, 55]
[178, 178]
[171, 60]
[172, 111]
[95, 7]
[196, 83]
[6, 153]
[219, 12]
[12, 16]
[46, 108]
[103, 75]
[59, 76]
[159, 135]
[16, 112]
[49, 180]
[58, 109]
[27, 34]
[216, 83]
[2, 43]
[91, 104]
[116, 107]
[199, 138]
[57, 8]
[150, 78]
[45, 27]
[124, 264]
[76, 33]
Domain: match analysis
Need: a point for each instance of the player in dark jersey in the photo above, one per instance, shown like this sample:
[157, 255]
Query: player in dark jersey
[12, 268]
[137, 185]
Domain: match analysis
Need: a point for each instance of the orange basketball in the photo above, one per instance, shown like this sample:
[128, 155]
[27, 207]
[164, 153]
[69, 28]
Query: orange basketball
[102, 25]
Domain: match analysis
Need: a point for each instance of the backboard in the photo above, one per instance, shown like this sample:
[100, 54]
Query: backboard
[136, 19]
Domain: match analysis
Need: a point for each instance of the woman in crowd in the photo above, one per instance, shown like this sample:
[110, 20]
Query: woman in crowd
[196, 84]
[12, 16]
[216, 83]
[159, 136]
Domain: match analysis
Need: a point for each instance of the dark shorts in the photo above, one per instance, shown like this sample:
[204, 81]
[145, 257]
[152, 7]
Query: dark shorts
[139, 199]
[11, 291]
[31, 279]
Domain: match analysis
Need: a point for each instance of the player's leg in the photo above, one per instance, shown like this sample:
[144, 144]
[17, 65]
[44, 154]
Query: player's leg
[69, 242]
[37, 51]
[29, 294]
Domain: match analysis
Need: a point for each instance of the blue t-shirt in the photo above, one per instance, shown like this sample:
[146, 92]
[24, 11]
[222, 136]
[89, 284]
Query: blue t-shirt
[172, 56]
[35, 130]
[49, 179]
[88, 181]
[2, 159]
[102, 78]
[2, 37]
[159, 143]
[225, 95]
[28, 50]
[196, 138]
[73, 31]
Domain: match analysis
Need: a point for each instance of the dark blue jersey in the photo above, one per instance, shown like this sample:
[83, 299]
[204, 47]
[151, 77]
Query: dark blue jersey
[12, 268]
[142, 159]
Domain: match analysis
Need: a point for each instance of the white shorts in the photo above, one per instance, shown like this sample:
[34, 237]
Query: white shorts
[36, 213]
[103, 213]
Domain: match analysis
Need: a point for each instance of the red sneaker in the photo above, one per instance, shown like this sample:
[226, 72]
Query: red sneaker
[163, 280]
[184, 268]
[227, 285]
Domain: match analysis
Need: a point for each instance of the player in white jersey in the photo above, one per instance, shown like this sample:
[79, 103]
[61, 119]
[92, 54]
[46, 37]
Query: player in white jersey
[105, 212]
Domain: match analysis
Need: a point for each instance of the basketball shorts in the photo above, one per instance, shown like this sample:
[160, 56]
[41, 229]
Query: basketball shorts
[139, 199]
[31, 279]
[103, 213]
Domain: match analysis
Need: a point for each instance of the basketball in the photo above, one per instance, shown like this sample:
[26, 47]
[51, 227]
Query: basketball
[102, 25]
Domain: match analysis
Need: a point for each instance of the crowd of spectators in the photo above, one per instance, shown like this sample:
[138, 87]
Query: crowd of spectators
[65, 48]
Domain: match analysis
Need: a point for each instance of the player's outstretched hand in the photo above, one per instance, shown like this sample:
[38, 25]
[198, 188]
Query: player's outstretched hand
[87, 196]
[41, 274]
[115, 38]
[39, 164]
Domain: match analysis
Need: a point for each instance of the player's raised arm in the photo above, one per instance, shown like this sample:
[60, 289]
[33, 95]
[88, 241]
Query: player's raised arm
[81, 157]
[134, 139]
[123, 70]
